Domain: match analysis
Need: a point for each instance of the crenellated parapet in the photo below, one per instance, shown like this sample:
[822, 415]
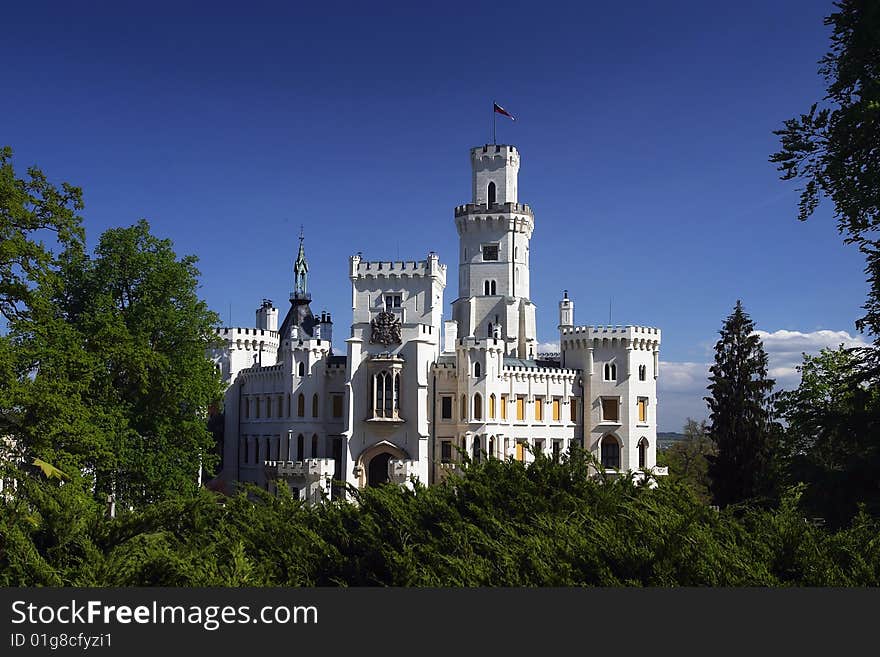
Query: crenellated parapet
[586, 337]
[429, 268]
[248, 339]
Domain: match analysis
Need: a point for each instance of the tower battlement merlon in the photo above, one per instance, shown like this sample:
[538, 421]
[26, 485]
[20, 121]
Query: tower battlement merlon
[428, 268]
[507, 208]
[487, 153]
[637, 335]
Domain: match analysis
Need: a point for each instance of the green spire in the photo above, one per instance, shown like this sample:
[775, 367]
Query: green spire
[301, 271]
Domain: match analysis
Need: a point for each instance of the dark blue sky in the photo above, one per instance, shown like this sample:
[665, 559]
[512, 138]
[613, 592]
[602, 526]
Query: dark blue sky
[644, 129]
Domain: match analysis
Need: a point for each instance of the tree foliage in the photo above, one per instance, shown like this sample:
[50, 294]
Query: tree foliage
[831, 445]
[740, 415]
[687, 459]
[31, 210]
[500, 523]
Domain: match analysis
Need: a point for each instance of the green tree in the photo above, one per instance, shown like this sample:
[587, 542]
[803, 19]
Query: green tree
[31, 209]
[740, 405]
[832, 148]
[112, 368]
[830, 441]
[688, 459]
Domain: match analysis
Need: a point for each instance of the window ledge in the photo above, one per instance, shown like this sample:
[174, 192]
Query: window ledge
[386, 420]
[615, 423]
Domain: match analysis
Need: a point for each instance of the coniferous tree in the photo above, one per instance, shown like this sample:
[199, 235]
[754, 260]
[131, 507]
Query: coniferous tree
[741, 422]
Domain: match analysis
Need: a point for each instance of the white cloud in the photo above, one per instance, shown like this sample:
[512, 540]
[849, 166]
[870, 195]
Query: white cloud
[548, 348]
[682, 385]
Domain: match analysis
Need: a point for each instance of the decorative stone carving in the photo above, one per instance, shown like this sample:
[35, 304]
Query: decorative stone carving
[385, 329]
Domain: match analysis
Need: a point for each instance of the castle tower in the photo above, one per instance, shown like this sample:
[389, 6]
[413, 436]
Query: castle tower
[494, 233]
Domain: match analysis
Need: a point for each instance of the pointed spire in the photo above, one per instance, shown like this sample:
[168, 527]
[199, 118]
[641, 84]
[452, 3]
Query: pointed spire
[301, 271]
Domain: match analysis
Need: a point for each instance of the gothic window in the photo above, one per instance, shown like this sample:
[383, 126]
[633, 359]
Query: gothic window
[642, 372]
[503, 407]
[557, 447]
[489, 330]
[493, 288]
[393, 301]
[315, 446]
[486, 288]
[301, 405]
[300, 447]
[386, 394]
[476, 449]
[642, 406]
[610, 452]
[477, 371]
[491, 193]
[302, 369]
[492, 407]
[643, 453]
[610, 372]
[478, 406]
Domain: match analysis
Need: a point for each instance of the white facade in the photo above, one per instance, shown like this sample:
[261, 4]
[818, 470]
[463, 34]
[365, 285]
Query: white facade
[405, 402]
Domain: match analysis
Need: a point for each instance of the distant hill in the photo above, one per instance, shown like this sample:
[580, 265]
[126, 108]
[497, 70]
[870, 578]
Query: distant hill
[666, 438]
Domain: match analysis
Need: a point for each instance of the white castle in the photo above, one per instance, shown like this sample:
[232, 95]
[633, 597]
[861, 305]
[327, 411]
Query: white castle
[413, 393]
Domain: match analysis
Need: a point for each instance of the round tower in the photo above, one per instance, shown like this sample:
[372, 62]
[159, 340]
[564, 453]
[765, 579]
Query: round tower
[494, 234]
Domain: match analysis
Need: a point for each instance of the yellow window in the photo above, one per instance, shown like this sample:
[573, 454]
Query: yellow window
[556, 410]
[643, 409]
[539, 409]
[491, 407]
[520, 451]
[503, 407]
[520, 408]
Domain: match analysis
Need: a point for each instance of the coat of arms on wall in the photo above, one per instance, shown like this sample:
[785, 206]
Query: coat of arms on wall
[385, 329]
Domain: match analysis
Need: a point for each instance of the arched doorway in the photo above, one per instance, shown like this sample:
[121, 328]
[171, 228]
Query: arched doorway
[371, 465]
[377, 470]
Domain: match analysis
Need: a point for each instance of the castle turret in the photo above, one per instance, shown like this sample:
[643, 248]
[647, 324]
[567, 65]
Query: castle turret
[299, 320]
[325, 327]
[494, 234]
[566, 311]
[267, 316]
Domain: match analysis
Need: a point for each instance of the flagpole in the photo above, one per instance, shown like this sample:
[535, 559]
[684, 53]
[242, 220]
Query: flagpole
[494, 140]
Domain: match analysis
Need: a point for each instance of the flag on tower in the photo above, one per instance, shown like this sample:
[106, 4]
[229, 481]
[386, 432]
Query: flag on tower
[501, 110]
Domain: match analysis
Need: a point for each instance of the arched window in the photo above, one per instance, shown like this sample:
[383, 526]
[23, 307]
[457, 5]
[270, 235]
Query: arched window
[301, 405]
[314, 405]
[302, 369]
[643, 453]
[642, 372]
[476, 449]
[493, 288]
[492, 407]
[478, 406]
[300, 447]
[491, 450]
[489, 330]
[464, 407]
[315, 446]
[477, 370]
[610, 452]
[486, 288]
[491, 193]
[610, 372]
